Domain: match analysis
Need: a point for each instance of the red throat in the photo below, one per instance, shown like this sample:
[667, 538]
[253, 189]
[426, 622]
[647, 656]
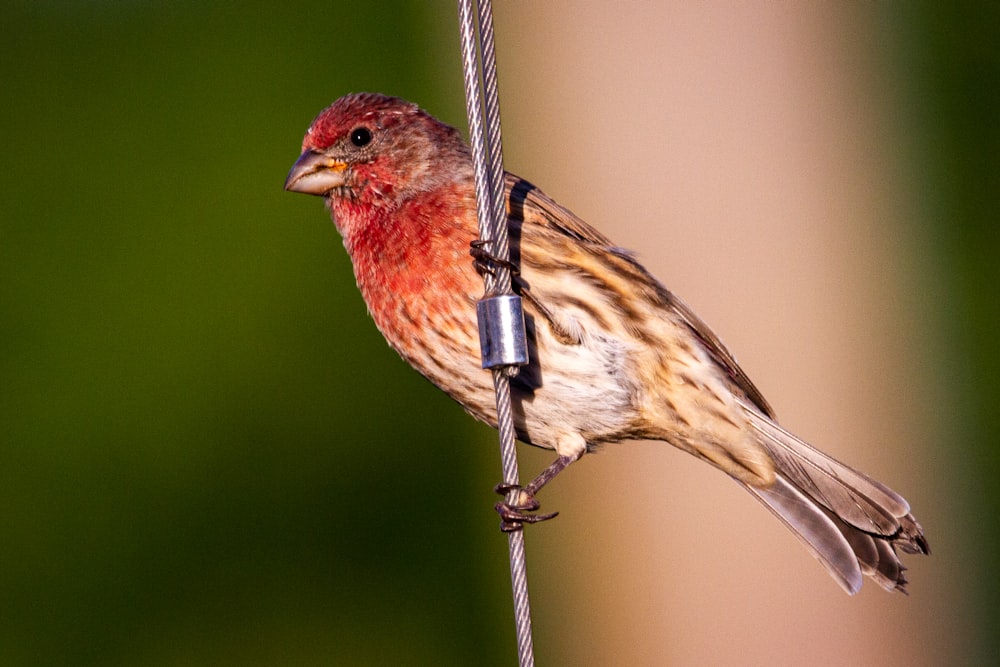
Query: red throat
[412, 263]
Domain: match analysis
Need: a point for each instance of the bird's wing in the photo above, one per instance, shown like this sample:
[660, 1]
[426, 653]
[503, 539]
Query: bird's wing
[719, 352]
[527, 203]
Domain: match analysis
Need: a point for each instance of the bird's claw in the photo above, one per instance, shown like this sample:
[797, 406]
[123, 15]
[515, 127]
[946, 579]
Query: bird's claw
[487, 262]
[513, 515]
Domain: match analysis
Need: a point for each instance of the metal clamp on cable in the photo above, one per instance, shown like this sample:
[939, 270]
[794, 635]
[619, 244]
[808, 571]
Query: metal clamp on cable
[502, 338]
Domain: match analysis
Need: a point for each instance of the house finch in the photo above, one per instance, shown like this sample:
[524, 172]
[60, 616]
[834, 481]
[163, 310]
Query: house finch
[613, 354]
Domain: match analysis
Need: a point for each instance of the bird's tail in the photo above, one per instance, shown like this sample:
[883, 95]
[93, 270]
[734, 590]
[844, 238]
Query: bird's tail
[850, 522]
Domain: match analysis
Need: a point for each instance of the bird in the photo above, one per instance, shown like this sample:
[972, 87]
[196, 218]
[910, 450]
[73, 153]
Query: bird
[613, 354]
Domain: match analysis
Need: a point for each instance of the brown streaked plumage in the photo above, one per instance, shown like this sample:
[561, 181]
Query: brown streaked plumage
[613, 354]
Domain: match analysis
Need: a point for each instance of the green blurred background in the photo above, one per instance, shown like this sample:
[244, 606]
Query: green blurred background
[208, 454]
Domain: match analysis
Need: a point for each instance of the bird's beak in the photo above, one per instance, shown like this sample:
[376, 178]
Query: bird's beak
[316, 174]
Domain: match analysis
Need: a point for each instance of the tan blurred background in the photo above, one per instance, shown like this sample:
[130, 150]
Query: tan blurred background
[753, 154]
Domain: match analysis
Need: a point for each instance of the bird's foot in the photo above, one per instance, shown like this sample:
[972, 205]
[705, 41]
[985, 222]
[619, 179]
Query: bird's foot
[513, 515]
[486, 262]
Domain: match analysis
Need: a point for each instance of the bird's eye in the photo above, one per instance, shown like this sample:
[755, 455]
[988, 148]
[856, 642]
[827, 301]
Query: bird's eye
[361, 136]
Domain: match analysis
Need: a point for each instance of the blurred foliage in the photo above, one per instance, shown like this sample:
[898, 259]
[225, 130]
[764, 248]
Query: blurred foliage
[209, 455]
[205, 456]
[946, 55]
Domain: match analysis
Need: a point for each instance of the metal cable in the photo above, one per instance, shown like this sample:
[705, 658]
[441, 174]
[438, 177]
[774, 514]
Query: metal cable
[499, 238]
[489, 180]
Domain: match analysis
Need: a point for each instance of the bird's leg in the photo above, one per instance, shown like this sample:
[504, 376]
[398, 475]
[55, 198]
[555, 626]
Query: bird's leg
[514, 514]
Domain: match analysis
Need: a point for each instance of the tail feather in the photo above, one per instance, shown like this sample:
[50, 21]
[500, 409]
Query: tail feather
[814, 528]
[850, 522]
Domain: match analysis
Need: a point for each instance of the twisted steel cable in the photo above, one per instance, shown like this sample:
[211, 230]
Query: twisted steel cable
[489, 180]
